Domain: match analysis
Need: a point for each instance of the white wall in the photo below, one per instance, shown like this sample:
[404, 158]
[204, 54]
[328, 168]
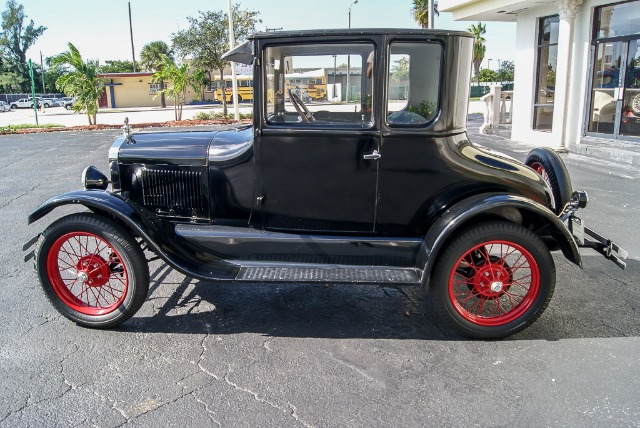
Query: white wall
[524, 85]
[524, 80]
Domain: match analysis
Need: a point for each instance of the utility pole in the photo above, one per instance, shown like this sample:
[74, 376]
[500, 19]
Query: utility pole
[232, 42]
[349, 57]
[133, 52]
[33, 91]
[44, 91]
[431, 14]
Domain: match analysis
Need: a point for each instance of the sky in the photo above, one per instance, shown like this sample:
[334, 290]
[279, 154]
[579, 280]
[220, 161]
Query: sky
[100, 30]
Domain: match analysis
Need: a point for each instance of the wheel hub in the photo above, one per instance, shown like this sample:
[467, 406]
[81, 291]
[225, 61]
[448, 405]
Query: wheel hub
[489, 280]
[93, 270]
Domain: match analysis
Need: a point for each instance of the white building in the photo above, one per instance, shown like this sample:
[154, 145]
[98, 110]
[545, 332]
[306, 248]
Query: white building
[577, 68]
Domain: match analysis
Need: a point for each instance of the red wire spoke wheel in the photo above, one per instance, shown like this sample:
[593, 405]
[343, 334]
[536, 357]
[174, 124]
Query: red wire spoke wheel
[493, 280]
[498, 286]
[86, 273]
[92, 270]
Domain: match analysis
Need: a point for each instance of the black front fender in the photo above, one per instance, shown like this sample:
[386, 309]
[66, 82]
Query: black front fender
[464, 212]
[159, 234]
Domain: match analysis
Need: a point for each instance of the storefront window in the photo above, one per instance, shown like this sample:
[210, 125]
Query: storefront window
[546, 73]
[614, 108]
[617, 20]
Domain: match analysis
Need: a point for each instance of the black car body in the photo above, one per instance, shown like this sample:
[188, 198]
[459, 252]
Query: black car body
[375, 190]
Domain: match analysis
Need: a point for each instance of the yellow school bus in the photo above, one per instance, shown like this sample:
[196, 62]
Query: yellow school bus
[245, 88]
[311, 83]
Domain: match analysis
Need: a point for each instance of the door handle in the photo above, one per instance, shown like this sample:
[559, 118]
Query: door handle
[372, 156]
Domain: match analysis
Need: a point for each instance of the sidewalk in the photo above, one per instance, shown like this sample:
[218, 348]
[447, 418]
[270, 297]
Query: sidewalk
[612, 157]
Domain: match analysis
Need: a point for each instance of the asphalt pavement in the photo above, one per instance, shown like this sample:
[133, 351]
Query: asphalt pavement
[223, 354]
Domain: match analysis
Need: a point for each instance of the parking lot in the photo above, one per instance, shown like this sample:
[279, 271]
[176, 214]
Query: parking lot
[60, 116]
[202, 354]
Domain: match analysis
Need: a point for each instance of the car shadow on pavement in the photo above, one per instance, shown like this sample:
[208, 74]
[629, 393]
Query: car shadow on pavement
[577, 310]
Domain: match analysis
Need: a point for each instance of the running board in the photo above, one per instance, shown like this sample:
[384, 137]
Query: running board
[333, 274]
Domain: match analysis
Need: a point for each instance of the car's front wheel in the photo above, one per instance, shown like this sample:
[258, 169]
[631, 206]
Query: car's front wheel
[92, 270]
[493, 280]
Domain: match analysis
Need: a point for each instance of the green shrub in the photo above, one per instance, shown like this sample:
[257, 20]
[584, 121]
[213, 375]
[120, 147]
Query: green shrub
[203, 115]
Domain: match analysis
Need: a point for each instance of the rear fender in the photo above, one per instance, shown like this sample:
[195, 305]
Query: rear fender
[159, 234]
[508, 207]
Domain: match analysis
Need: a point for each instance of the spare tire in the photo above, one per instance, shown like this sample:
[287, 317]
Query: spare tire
[550, 166]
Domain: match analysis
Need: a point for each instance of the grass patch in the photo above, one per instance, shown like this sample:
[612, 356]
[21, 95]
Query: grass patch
[11, 129]
[203, 115]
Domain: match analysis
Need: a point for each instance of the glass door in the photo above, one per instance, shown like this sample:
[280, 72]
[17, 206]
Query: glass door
[605, 92]
[630, 111]
[614, 108]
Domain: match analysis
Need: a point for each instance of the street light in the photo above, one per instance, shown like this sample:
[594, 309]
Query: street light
[349, 56]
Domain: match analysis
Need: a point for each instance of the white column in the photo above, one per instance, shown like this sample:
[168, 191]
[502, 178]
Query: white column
[567, 10]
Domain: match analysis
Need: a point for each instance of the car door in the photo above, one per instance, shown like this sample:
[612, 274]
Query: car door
[318, 157]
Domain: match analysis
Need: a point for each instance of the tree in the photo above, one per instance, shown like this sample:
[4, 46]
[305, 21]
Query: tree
[506, 71]
[16, 38]
[151, 59]
[487, 75]
[201, 77]
[117, 66]
[207, 39]
[82, 81]
[180, 80]
[420, 11]
[400, 73]
[479, 48]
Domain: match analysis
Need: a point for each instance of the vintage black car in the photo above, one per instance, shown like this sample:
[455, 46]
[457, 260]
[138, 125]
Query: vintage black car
[376, 183]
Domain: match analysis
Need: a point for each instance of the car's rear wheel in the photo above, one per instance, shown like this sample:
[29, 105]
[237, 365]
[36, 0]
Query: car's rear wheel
[92, 270]
[493, 280]
[68, 106]
[549, 165]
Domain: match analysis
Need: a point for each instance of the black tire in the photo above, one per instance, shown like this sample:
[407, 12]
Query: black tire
[92, 270]
[493, 280]
[549, 165]
[13, 106]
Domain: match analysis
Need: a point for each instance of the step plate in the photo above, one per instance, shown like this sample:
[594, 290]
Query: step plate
[329, 274]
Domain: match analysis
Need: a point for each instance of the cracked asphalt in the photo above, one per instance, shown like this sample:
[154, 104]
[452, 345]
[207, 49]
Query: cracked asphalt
[286, 355]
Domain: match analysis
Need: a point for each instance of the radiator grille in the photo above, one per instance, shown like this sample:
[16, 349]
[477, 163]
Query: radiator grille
[172, 189]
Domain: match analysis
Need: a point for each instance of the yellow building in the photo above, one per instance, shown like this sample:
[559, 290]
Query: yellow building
[124, 90]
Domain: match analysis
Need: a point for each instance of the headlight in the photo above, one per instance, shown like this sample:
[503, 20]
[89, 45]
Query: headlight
[94, 179]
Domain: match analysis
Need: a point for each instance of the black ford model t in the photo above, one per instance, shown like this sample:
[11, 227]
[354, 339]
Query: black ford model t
[383, 187]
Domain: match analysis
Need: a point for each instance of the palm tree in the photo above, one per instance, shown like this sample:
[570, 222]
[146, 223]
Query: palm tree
[479, 48]
[82, 81]
[420, 11]
[180, 80]
[151, 59]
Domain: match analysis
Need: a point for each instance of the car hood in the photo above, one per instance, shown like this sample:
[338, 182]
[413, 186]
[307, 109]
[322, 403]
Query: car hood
[182, 148]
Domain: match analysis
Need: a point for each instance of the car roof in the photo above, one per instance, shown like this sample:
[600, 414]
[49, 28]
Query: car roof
[357, 32]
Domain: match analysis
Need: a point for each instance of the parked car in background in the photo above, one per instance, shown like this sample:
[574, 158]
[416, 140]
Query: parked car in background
[384, 191]
[4, 106]
[51, 102]
[22, 103]
[67, 102]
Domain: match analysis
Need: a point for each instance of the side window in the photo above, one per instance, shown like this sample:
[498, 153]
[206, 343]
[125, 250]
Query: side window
[318, 85]
[414, 83]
